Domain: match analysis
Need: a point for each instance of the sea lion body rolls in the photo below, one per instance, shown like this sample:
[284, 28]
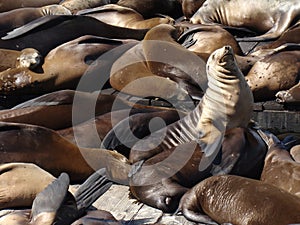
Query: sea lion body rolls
[269, 17]
[240, 201]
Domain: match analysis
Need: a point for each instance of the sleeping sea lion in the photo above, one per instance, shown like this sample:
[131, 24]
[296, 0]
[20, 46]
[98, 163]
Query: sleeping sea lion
[291, 96]
[58, 70]
[280, 169]
[295, 153]
[189, 7]
[269, 17]
[18, 17]
[10, 5]
[48, 32]
[53, 153]
[76, 5]
[239, 200]
[124, 17]
[173, 171]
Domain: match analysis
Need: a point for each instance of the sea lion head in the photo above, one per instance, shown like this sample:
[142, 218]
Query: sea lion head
[223, 57]
[29, 58]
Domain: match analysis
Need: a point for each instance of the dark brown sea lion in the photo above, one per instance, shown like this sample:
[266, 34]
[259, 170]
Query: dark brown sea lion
[150, 8]
[152, 68]
[291, 96]
[227, 103]
[53, 153]
[18, 17]
[48, 32]
[273, 73]
[77, 5]
[26, 58]
[124, 17]
[269, 17]
[161, 181]
[59, 70]
[280, 169]
[7, 5]
[189, 7]
[239, 200]
[54, 110]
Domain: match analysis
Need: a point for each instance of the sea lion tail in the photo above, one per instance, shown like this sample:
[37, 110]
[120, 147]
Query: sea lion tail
[96, 185]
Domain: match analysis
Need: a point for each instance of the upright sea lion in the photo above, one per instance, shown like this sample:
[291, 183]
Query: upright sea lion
[227, 103]
[18, 17]
[291, 96]
[280, 169]
[58, 70]
[269, 17]
[124, 17]
[26, 58]
[238, 200]
[273, 73]
[48, 32]
[53, 153]
[10, 5]
[150, 8]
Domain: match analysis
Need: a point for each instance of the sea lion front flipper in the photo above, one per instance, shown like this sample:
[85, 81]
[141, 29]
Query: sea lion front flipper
[47, 203]
[88, 192]
[54, 19]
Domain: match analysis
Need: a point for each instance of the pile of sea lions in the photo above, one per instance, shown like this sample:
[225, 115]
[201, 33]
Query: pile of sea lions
[199, 155]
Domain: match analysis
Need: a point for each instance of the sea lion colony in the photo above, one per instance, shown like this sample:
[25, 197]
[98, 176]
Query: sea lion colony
[202, 155]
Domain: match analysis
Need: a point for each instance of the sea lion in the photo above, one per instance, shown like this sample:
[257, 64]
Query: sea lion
[18, 17]
[10, 5]
[189, 7]
[152, 68]
[280, 169]
[54, 110]
[76, 5]
[273, 73]
[227, 103]
[271, 18]
[242, 153]
[58, 71]
[48, 32]
[150, 8]
[26, 58]
[99, 217]
[291, 96]
[124, 17]
[53, 153]
[239, 200]
[295, 153]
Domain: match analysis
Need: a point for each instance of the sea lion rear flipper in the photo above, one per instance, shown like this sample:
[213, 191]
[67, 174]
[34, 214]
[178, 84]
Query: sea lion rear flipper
[96, 185]
[197, 217]
[47, 202]
[34, 24]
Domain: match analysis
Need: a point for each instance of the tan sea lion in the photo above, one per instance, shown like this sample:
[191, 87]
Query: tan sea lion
[291, 96]
[124, 17]
[53, 153]
[239, 200]
[271, 18]
[280, 169]
[7, 5]
[58, 71]
[227, 103]
[26, 58]
[77, 5]
[48, 32]
[273, 73]
[152, 68]
[295, 153]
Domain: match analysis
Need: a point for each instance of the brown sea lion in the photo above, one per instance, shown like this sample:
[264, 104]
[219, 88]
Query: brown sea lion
[239, 200]
[291, 96]
[77, 5]
[271, 18]
[242, 153]
[53, 153]
[124, 17]
[7, 5]
[189, 7]
[152, 68]
[273, 73]
[18, 17]
[97, 217]
[280, 169]
[58, 70]
[227, 103]
[48, 32]
[150, 8]
[26, 58]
